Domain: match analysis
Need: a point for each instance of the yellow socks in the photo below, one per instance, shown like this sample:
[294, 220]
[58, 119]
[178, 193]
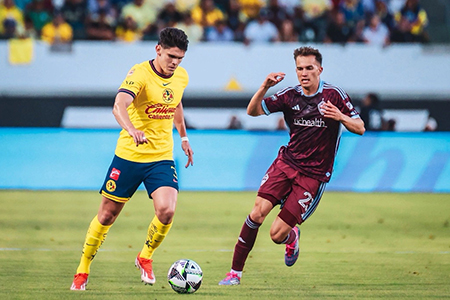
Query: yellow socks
[157, 231]
[95, 237]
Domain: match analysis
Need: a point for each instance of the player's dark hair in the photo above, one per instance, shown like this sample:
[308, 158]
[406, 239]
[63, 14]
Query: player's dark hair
[307, 51]
[173, 37]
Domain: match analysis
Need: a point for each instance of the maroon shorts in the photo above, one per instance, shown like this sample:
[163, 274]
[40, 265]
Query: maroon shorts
[297, 193]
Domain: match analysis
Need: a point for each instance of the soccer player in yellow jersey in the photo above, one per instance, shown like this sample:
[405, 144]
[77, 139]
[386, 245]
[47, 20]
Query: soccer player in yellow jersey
[147, 106]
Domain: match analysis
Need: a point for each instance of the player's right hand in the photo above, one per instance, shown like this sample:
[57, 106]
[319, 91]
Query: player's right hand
[138, 137]
[274, 78]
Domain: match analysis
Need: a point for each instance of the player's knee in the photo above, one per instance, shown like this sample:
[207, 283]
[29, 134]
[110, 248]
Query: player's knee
[165, 215]
[257, 216]
[260, 211]
[106, 217]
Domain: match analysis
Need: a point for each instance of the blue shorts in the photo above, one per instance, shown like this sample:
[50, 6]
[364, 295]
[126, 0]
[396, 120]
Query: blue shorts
[124, 177]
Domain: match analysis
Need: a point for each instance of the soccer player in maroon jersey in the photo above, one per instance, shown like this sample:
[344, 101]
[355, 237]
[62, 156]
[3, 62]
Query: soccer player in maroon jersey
[313, 111]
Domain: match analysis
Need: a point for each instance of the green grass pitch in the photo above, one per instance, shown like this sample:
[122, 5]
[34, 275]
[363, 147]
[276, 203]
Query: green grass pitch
[355, 246]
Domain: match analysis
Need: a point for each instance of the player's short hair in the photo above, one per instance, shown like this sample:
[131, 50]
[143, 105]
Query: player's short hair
[307, 51]
[173, 37]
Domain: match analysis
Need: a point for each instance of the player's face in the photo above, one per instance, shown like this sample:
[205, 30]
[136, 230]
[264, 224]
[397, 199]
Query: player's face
[308, 73]
[168, 59]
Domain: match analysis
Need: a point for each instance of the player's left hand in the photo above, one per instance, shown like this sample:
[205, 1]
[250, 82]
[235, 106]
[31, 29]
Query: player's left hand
[331, 111]
[189, 153]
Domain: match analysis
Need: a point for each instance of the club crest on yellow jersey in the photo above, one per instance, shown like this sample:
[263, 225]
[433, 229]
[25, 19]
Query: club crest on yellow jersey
[168, 95]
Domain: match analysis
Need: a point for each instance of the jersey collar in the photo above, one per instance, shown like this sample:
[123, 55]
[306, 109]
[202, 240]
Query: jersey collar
[319, 90]
[158, 73]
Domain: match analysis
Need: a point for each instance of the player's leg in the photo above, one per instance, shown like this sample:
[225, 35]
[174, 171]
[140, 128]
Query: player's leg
[246, 240]
[98, 229]
[280, 231]
[275, 186]
[249, 232]
[95, 236]
[288, 234]
[163, 189]
[298, 206]
[164, 200]
[121, 181]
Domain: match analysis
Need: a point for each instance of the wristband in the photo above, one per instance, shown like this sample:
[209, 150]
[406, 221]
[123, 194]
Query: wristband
[184, 139]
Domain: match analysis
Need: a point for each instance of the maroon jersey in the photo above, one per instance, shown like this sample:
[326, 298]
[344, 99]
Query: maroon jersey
[314, 139]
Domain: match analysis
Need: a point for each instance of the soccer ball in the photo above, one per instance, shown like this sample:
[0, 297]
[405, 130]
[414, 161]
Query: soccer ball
[185, 276]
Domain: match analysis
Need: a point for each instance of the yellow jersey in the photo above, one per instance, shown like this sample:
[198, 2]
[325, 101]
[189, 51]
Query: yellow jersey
[156, 97]
[51, 34]
[211, 17]
[11, 13]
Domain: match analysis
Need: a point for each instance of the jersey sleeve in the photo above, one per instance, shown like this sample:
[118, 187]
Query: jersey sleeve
[274, 103]
[133, 82]
[344, 103]
[184, 76]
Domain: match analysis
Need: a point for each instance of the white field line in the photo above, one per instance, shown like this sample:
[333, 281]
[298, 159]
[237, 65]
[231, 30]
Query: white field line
[230, 250]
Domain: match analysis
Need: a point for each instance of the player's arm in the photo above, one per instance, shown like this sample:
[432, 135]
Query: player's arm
[121, 103]
[355, 125]
[254, 107]
[180, 125]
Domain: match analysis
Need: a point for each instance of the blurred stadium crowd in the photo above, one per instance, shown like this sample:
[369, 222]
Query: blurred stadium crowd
[379, 22]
